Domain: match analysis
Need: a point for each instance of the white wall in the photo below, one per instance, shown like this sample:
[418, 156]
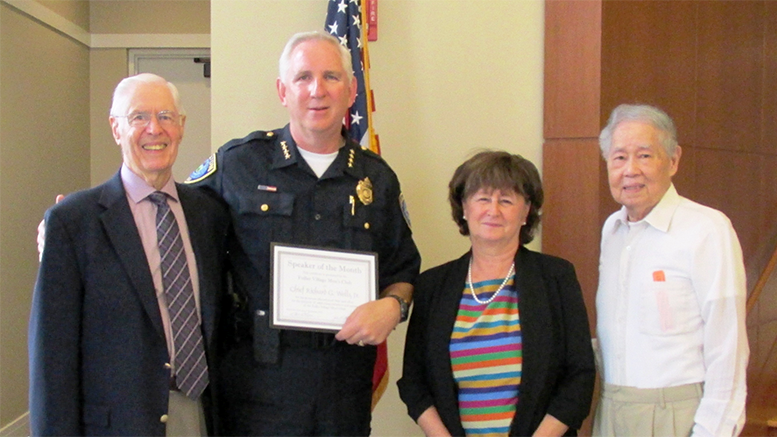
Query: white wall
[449, 76]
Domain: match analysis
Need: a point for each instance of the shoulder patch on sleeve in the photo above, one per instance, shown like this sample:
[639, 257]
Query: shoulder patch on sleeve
[405, 212]
[205, 169]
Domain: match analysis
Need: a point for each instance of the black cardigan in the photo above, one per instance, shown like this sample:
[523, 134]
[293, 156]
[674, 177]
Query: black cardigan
[558, 364]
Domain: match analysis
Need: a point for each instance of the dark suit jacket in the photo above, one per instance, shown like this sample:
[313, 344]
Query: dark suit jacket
[96, 341]
[558, 364]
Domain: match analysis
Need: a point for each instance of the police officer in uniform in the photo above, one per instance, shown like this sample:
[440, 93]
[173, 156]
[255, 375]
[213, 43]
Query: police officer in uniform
[308, 184]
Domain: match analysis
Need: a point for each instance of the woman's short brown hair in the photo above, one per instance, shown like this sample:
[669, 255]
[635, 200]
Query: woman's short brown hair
[497, 170]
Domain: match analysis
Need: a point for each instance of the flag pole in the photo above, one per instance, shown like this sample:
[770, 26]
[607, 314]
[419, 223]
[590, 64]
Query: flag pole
[374, 145]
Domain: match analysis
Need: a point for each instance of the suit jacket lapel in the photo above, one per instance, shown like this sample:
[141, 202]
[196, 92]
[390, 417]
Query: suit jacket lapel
[536, 325]
[197, 235]
[450, 297]
[121, 229]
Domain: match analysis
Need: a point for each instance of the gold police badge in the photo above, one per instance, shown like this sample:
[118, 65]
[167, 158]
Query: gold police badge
[364, 191]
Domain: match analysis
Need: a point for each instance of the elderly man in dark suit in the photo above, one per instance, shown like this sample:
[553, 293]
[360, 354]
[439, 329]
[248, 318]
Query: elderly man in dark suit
[126, 303]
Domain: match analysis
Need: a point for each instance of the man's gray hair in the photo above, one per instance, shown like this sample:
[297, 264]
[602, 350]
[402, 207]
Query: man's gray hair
[643, 114]
[123, 89]
[299, 38]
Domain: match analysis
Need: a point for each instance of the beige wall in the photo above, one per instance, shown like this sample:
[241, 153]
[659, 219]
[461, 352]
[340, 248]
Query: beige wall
[75, 11]
[449, 76]
[107, 67]
[44, 128]
[152, 17]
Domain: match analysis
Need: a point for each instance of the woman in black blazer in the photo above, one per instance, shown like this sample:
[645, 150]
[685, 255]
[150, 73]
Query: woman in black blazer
[494, 354]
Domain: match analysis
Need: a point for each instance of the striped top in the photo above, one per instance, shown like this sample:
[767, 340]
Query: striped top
[486, 356]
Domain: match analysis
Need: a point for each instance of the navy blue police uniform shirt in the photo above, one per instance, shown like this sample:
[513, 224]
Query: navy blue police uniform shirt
[274, 196]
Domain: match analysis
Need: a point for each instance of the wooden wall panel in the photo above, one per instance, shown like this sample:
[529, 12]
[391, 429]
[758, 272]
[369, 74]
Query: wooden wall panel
[730, 82]
[737, 193]
[685, 178]
[766, 229]
[570, 221]
[572, 69]
[762, 331]
[648, 58]
[762, 374]
[607, 205]
[769, 119]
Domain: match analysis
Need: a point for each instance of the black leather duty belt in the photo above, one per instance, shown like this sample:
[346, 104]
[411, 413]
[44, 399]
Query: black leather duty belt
[313, 340]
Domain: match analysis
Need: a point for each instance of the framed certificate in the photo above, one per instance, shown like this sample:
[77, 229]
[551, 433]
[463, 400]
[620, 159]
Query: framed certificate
[318, 288]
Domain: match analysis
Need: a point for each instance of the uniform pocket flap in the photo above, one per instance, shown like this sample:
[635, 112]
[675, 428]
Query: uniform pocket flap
[267, 203]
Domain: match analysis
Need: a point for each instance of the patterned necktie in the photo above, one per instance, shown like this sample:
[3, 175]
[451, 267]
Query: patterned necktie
[191, 369]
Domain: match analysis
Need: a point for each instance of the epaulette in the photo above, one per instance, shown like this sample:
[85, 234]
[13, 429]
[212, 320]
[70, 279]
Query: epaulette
[258, 135]
[369, 153]
[209, 167]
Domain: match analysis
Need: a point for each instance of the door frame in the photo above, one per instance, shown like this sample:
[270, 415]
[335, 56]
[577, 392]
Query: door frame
[135, 55]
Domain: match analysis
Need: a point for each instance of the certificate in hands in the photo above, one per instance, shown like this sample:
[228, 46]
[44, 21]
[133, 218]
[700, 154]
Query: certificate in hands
[318, 288]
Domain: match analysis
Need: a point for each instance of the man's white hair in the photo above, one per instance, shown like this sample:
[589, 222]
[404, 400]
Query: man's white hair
[127, 85]
[299, 38]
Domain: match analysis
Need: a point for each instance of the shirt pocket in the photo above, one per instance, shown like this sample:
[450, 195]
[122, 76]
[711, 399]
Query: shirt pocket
[358, 225]
[669, 308]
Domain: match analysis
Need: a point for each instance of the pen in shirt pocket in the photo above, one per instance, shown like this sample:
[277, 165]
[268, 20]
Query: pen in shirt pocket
[267, 188]
[658, 276]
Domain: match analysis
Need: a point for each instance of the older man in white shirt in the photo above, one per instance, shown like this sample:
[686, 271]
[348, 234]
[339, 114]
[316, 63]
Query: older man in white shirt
[671, 298]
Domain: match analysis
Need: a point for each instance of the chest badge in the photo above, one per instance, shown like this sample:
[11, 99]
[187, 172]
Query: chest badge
[364, 191]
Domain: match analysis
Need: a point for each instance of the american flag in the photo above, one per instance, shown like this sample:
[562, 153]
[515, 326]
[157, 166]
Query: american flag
[344, 20]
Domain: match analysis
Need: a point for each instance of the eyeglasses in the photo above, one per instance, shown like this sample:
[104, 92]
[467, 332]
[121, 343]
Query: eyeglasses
[142, 119]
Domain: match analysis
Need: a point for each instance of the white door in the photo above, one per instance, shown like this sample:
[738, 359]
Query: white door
[178, 67]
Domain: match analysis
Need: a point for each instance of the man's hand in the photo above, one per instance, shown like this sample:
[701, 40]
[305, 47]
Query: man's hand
[370, 323]
[42, 230]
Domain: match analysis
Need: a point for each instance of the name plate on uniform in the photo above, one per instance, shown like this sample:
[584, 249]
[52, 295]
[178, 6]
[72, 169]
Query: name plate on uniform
[316, 288]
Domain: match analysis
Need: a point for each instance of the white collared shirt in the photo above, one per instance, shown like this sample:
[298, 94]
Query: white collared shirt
[671, 307]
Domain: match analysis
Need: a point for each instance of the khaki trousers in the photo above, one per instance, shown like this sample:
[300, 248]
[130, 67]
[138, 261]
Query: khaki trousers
[629, 411]
[185, 417]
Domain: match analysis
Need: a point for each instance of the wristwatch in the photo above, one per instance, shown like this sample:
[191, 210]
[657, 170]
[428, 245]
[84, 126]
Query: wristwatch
[403, 307]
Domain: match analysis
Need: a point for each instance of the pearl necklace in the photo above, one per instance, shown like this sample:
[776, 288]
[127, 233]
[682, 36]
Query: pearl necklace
[472, 289]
